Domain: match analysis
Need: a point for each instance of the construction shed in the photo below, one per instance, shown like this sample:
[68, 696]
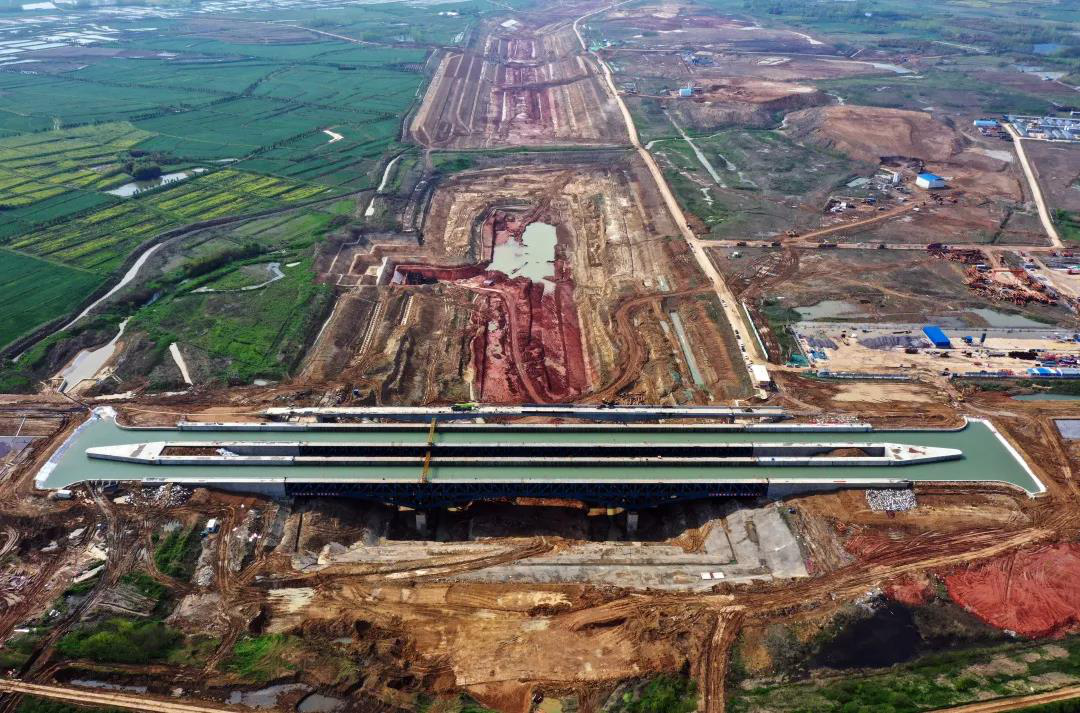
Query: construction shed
[929, 180]
[761, 375]
[937, 337]
[986, 123]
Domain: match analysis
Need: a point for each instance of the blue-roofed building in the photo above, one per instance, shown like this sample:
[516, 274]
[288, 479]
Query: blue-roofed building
[937, 337]
[929, 180]
[986, 123]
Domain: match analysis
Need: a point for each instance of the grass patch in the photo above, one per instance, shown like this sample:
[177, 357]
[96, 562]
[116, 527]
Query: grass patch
[194, 652]
[33, 704]
[175, 555]
[780, 317]
[457, 704]
[119, 640]
[84, 587]
[145, 585]
[255, 334]
[663, 694]
[16, 651]
[259, 659]
[1068, 225]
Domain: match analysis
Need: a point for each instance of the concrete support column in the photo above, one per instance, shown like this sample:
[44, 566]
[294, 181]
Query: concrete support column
[421, 522]
[631, 523]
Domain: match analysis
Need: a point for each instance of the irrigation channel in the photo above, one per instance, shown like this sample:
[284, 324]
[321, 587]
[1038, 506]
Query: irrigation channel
[421, 464]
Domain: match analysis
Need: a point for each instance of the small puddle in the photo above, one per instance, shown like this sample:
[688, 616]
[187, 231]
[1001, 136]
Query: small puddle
[891, 67]
[888, 636]
[129, 189]
[531, 256]
[264, 697]
[91, 683]
[994, 318]
[318, 703]
[89, 362]
[827, 309]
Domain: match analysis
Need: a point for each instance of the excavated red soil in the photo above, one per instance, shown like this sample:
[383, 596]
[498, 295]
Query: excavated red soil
[1033, 592]
[527, 344]
[867, 545]
[912, 590]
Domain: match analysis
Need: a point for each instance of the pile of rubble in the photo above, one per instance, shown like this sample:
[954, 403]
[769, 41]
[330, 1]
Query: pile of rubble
[161, 496]
[891, 500]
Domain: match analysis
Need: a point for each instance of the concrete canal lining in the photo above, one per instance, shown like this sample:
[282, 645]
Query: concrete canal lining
[985, 457]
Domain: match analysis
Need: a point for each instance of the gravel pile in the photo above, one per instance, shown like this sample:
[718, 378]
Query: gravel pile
[892, 500]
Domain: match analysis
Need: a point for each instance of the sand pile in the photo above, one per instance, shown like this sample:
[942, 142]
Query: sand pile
[871, 133]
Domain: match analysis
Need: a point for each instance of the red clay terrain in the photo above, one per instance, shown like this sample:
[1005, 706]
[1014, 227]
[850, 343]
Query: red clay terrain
[527, 344]
[1033, 592]
[912, 590]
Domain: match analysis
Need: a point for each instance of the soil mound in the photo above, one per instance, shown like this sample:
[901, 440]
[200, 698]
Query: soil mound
[1033, 593]
[912, 590]
[775, 95]
[872, 133]
[747, 102]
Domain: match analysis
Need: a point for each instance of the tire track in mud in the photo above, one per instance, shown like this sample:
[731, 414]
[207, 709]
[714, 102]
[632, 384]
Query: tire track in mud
[634, 360]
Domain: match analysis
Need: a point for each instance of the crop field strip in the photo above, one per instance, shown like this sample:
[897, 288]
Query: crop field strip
[203, 93]
[100, 240]
[264, 106]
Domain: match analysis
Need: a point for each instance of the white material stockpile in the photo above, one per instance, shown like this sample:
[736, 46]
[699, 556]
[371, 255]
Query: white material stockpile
[891, 500]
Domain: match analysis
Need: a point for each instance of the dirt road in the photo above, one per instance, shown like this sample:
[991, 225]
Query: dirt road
[1033, 184]
[84, 696]
[1011, 704]
[751, 351]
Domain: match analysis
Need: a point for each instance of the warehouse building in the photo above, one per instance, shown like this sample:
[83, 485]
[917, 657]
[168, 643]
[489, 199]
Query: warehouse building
[929, 180]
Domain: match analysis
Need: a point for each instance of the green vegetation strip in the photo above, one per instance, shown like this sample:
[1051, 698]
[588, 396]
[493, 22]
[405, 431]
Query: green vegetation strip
[175, 555]
[34, 704]
[119, 640]
[933, 681]
[1068, 225]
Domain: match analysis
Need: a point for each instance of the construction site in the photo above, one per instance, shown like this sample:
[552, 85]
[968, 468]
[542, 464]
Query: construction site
[657, 373]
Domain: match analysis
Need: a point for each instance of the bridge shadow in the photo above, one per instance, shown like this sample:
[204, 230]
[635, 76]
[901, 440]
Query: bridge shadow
[567, 520]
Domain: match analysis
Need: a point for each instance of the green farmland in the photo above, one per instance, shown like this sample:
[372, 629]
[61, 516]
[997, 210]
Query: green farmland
[35, 291]
[249, 119]
[259, 120]
[100, 240]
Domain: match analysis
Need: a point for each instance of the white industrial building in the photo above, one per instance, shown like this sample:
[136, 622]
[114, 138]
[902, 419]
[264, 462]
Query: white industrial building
[929, 180]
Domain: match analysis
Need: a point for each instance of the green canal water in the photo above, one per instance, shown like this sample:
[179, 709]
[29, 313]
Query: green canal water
[986, 457]
[1046, 397]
